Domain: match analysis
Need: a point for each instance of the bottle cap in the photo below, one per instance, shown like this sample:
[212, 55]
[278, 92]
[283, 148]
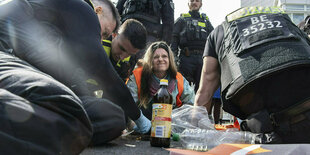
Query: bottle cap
[164, 82]
[175, 137]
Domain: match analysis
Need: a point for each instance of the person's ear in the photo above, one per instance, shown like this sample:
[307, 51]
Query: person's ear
[98, 10]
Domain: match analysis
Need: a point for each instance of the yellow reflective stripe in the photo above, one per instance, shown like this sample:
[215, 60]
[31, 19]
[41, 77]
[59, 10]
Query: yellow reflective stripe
[186, 15]
[92, 3]
[248, 11]
[124, 60]
[92, 81]
[107, 50]
[107, 41]
[106, 44]
[201, 24]
[118, 64]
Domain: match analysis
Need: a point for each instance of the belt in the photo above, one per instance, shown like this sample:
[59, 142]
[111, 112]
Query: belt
[196, 52]
[192, 52]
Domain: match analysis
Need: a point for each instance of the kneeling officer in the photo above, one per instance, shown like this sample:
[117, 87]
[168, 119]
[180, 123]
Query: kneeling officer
[262, 62]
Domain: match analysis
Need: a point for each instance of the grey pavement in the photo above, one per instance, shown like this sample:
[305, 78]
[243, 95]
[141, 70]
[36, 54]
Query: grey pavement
[129, 145]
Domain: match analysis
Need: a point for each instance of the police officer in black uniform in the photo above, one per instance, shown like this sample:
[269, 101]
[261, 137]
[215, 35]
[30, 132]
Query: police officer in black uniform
[189, 35]
[156, 15]
[38, 114]
[62, 38]
[261, 59]
[304, 25]
[122, 46]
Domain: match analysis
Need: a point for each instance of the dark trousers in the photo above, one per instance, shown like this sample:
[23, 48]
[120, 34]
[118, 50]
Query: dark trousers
[38, 114]
[108, 119]
[190, 67]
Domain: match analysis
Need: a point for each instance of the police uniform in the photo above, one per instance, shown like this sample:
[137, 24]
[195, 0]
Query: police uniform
[305, 25]
[265, 69]
[62, 39]
[156, 15]
[38, 114]
[189, 35]
[122, 67]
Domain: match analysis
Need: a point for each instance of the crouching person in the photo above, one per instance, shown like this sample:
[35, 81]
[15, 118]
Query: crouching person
[38, 114]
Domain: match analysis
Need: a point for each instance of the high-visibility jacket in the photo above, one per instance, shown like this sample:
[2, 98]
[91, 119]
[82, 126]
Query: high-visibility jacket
[180, 84]
[122, 67]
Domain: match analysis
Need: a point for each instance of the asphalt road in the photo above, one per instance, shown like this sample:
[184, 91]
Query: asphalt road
[129, 145]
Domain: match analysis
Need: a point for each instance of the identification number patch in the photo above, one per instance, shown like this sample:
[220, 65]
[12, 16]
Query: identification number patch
[262, 28]
[259, 23]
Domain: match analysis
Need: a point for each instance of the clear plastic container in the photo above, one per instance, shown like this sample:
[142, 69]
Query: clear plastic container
[203, 140]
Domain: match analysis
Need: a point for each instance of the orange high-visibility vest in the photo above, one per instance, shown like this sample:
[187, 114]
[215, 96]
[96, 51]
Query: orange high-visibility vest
[180, 81]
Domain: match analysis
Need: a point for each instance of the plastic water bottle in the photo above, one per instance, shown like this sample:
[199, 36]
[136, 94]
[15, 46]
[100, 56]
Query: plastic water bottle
[203, 140]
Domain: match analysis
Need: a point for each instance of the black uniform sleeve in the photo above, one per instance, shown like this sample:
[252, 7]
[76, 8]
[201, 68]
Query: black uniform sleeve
[76, 47]
[120, 6]
[178, 26]
[94, 61]
[213, 42]
[167, 12]
[210, 28]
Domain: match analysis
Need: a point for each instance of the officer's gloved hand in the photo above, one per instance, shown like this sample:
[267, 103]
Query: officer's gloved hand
[143, 125]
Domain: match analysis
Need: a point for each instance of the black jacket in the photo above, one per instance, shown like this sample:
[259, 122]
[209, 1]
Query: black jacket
[165, 14]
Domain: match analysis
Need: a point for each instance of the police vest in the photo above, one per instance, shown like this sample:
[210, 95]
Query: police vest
[107, 47]
[195, 32]
[148, 10]
[89, 2]
[122, 66]
[180, 84]
[258, 41]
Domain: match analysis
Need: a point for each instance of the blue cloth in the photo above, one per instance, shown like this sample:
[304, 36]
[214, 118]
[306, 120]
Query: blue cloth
[143, 125]
[217, 93]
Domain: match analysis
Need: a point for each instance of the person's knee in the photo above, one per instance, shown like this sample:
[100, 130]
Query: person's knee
[108, 119]
[21, 120]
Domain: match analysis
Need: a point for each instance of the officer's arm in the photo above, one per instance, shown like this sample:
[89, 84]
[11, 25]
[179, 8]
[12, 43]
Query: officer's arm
[209, 82]
[120, 6]
[209, 26]
[176, 35]
[168, 20]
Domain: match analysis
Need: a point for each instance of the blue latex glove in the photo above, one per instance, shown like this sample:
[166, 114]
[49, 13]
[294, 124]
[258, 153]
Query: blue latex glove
[143, 125]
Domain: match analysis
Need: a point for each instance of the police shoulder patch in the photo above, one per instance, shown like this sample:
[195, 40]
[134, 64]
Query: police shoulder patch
[185, 15]
[204, 16]
[248, 11]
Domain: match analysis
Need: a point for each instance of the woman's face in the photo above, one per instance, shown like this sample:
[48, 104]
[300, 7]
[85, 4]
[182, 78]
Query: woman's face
[160, 61]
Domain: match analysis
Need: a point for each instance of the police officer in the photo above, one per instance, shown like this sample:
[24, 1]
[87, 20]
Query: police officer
[38, 114]
[121, 50]
[63, 40]
[156, 15]
[305, 25]
[189, 35]
[262, 61]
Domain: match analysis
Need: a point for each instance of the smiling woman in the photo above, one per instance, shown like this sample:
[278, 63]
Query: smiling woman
[158, 63]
